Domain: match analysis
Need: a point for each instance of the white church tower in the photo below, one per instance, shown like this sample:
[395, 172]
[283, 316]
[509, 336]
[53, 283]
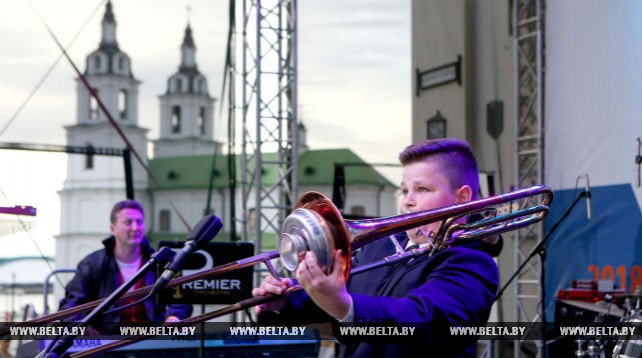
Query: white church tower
[186, 110]
[95, 182]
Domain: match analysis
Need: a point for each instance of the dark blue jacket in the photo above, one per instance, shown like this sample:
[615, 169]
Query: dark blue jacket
[97, 277]
[455, 287]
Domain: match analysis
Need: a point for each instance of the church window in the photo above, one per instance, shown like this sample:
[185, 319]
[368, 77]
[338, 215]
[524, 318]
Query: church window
[164, 220]
[121, 64]
[122, 104]
[93, 106]
[176, 119]
[200, 86]
[97, 63]
[89, 158]
[178, 85]
[201, 120]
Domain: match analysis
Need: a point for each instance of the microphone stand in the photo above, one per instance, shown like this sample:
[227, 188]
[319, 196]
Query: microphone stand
[59, 345]
[540, 249]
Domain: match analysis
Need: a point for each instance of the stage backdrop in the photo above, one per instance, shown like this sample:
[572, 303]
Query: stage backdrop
[593, 117]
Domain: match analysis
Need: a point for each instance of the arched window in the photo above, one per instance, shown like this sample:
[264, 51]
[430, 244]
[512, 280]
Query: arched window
[93, 106]
[176, 119]
[97, 62]
[201, 120]
[178, 85]
[122, 104]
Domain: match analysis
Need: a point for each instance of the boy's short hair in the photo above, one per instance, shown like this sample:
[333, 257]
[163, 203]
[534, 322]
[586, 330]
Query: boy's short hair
[125, 204]
[461, 168]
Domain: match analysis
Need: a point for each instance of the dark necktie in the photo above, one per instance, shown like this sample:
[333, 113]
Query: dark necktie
[394, 270]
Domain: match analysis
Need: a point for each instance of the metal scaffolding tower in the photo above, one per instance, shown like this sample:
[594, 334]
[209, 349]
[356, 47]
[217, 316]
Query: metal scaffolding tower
[528, 22]
[269, 116]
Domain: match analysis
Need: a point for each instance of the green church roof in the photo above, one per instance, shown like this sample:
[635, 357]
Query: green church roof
[189, 172]
[315, 167]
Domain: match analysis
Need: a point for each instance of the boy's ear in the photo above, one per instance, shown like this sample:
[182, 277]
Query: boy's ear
[464, 194]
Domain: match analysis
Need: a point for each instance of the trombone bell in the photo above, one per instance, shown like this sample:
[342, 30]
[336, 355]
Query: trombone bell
[315, 225]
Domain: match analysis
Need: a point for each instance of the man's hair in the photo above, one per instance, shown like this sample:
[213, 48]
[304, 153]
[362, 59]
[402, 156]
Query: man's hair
[125, 204]
[459, 163]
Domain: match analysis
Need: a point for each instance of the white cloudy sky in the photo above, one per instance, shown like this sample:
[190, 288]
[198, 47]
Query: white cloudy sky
[354, 77]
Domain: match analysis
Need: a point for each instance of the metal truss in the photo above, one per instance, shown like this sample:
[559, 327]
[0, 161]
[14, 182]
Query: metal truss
[528, 22]
[269, 116]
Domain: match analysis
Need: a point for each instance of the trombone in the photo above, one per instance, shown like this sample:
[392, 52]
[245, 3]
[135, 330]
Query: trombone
[317, 225]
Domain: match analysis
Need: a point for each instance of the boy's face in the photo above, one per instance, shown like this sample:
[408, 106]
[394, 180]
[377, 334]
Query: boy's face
[129, 228]
[425, 187]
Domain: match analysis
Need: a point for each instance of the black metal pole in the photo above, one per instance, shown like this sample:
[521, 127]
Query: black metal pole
[540, 249]
[129, 181]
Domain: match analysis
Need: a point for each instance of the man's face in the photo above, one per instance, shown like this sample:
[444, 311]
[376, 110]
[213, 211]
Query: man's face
[129, 228]
[425, 187]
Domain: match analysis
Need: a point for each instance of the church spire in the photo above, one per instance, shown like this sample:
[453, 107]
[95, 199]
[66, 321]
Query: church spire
[109, 27]
[188, 50]
[187, 110]
[109, 74]
[188, 79]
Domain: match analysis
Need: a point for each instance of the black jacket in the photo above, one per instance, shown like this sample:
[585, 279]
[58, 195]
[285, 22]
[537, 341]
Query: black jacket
[97, 277]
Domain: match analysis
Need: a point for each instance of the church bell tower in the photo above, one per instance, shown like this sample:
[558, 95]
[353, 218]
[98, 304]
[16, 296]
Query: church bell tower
[96, 182]
[187, 110]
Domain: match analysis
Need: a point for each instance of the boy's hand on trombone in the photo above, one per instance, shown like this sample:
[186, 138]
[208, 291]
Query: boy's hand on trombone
[329, 291]
[271, 286]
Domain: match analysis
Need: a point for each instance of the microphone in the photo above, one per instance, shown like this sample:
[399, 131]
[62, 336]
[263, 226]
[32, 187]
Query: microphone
[587, 190]
[202, 233]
